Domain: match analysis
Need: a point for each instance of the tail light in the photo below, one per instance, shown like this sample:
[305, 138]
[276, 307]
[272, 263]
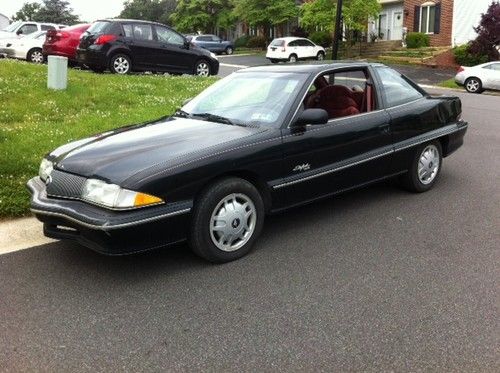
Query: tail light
[56, 35]
[460, 69]
[103, 39]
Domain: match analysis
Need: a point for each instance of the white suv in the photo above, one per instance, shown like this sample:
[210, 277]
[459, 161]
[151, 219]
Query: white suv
[20, 28]
[293, 49]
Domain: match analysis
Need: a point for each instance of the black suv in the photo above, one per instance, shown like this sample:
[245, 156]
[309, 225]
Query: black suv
[125, 45]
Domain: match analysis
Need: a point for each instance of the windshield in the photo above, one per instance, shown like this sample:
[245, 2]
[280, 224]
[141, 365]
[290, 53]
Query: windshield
[249, 98]
[12, 27]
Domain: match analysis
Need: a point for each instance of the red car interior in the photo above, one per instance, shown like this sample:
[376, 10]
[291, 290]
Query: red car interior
[339, 100]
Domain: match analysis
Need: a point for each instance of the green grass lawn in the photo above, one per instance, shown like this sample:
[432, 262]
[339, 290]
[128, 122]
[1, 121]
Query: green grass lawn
[450, 83]
[35, 120]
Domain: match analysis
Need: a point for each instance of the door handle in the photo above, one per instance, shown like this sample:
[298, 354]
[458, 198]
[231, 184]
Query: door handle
[384, 128]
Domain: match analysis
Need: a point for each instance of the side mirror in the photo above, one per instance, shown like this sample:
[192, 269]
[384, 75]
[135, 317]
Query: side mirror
[19, 32]
[311, 116]
[186, 44]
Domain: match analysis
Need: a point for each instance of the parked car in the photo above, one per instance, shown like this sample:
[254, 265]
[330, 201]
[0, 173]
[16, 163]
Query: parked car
[479, 78]
[259, 141]
[64, 42]
[21, 28]
[27, 48]
[124, 45]
[292, 49]
[213, 43]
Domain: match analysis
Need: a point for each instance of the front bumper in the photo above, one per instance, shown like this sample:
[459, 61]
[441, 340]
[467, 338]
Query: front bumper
[107, 231]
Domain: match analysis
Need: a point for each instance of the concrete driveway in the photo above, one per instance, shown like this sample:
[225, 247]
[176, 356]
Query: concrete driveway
[374, 280]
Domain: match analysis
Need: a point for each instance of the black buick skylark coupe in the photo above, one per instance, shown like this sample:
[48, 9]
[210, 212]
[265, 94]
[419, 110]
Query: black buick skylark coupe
[259, 141]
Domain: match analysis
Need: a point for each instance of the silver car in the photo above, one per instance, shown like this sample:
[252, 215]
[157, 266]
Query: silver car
[478, 78]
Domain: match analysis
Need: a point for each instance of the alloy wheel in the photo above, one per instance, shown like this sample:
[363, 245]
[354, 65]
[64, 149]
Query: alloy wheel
[428, 164]
[472, 85]
[36, 56]
[233, 222]
[202, 69]
[121, 65]
[292, 59]
[321, 56]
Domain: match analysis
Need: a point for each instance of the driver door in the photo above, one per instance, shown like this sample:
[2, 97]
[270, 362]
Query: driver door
[348, 151]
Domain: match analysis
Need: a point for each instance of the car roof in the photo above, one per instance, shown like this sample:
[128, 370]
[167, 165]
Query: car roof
[289, 38]
[129, 20]
[310, 67]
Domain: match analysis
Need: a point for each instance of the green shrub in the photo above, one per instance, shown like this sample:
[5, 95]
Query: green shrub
[257, 42]
[464, 56]
[241, 42]
[323, 38]
[417, 40]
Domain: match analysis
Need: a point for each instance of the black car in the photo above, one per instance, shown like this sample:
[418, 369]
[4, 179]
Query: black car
[124, 45]
[213, 43]
[259, 141]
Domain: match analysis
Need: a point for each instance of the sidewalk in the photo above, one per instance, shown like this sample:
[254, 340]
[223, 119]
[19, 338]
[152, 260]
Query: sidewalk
[21, 234]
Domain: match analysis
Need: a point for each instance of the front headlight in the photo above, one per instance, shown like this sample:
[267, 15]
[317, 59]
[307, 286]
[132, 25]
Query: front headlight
[45, 169]
[113, 196]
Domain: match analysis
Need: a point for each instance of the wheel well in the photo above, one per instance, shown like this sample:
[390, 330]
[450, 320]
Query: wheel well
[293, 54]
[252, 178]
[474, 77]
[115, 52]
[31, 50]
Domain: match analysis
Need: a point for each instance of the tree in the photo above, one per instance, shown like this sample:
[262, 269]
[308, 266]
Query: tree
[355, 15]
[488, 34]
[202, 15]
[55, 11]
[27, 12]
[149, 10]
[318, 15]
[264, 13]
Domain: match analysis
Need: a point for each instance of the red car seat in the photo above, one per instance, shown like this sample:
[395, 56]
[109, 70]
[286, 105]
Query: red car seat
[337, 100]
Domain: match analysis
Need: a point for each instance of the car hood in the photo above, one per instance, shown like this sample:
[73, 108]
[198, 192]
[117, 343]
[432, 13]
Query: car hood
[117, 155]
[7, 35]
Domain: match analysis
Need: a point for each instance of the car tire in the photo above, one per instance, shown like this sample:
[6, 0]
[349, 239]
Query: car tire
[473, 85]
[238, 208]
[202, 68]
[120, 64]
[320, 56]
[229, 50]
[35, 55]
[425, 168]
[273, 60]
[292, 58]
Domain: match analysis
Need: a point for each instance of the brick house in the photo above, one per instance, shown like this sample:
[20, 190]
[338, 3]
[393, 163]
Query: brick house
[447, 22]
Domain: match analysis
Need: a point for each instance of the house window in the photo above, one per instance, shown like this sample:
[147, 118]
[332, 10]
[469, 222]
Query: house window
[427, 18]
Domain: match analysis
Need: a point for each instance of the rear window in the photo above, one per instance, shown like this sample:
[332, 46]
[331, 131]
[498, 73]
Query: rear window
[98, 27]
[278, 43]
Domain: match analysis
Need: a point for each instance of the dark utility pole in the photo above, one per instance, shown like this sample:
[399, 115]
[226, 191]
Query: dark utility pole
[338, 32]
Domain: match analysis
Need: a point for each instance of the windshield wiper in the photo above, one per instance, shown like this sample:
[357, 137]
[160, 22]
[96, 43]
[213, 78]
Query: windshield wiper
[181, 113]
[215, 118]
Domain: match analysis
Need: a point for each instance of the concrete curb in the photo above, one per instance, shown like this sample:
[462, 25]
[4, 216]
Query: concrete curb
[20, 234]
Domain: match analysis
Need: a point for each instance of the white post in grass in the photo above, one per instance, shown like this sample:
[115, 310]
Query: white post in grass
[58, 72]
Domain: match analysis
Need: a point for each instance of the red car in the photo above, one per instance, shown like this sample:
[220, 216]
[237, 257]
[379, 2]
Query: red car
[64, 42]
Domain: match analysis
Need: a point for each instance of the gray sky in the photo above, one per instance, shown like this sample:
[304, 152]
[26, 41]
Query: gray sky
[88, 10]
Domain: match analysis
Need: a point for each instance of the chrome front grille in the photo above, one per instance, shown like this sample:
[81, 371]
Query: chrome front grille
[65, 185]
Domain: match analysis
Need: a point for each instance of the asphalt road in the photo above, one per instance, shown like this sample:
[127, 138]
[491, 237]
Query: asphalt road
[374, 280]
[420, 74]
